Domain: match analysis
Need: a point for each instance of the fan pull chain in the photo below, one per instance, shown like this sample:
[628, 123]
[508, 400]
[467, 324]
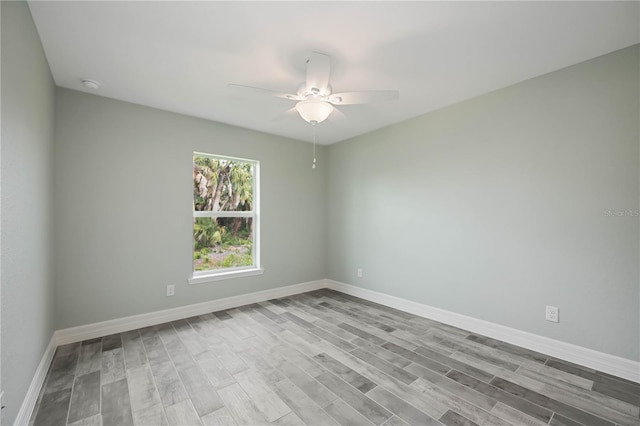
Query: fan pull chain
[313, 166]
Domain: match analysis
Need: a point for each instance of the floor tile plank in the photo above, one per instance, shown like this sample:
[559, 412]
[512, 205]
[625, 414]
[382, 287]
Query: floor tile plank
[382, 352]
[205, 327]
[384, 366]
[297, 320]
[290, 419]
[88, 421]
[517, 377]
[451, 418]
[257, 363]
[417, 358]
[506, 347]
[214, 370]
[268, 402]
[113, 341]
[63, 367]
[361, 333]
[306, 363]
[396, 421]
[455, 364]
[240, 406]
[90, 358]
[268, 312]
[307, 384]
[559, 420]
[231, 363]
[514, 416]
[169, 385]
[116, 404]
[181, 414]
[153, 415]
[333, 339]
[202, 393]
[400, 408]
[364, 405]
[156, 352]
[85, 398]
[421, 401]
[555, 377]
[113, 368]
[178, 353]
[220, 417]
[444, 382]
[142, 388]
[345, 414]
[621, 414]
[134, 353]
[457, 404]
[533, 410]
[617, 391]
[308, 411]
[350, 376]
[556, 406]
[53, 408]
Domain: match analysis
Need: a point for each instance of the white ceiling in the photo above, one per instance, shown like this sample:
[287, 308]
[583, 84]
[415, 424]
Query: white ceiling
[181, 56]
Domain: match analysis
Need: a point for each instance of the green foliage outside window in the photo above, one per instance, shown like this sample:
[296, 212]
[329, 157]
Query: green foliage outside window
[221, 185]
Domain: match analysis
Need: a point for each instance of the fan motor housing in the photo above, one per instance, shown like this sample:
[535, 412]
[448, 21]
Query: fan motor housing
[314, 92]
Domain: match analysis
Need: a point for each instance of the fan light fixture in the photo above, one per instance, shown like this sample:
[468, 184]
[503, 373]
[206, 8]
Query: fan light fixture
[315, 98]
[314, 111]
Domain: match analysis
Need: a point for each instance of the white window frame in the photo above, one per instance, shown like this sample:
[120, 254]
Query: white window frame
[243, 271]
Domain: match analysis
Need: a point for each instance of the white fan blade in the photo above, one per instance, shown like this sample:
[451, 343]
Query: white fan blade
[318, 70]
[287, 114]
[351, 98]
[265, 92]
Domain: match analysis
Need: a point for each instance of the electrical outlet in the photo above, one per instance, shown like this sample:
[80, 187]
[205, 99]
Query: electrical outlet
[171, 290]
[552, 314]
[359, 272]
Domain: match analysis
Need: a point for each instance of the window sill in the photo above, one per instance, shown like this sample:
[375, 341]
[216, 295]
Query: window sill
[199, 279]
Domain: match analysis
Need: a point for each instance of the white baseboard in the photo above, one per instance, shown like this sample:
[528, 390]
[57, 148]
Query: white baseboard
[590, 358]
[611, 364]
[31, 398]
[119, 325]
[105, 328]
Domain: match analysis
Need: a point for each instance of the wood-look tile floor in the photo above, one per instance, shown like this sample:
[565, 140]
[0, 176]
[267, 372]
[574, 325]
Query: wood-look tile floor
[321, 358]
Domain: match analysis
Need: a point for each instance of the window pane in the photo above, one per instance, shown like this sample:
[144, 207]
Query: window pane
[222, 243]
[222, 185]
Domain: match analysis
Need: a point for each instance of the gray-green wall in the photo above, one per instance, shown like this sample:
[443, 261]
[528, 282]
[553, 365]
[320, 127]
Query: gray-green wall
[498, 206]
[122, 210]
[27, 198]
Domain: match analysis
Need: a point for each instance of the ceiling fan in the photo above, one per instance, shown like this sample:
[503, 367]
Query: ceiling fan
[315, 100]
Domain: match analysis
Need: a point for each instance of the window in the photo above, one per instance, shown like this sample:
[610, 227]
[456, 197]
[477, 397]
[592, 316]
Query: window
[225, 218]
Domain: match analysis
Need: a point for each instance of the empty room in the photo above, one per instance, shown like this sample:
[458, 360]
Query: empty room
[320, 213]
